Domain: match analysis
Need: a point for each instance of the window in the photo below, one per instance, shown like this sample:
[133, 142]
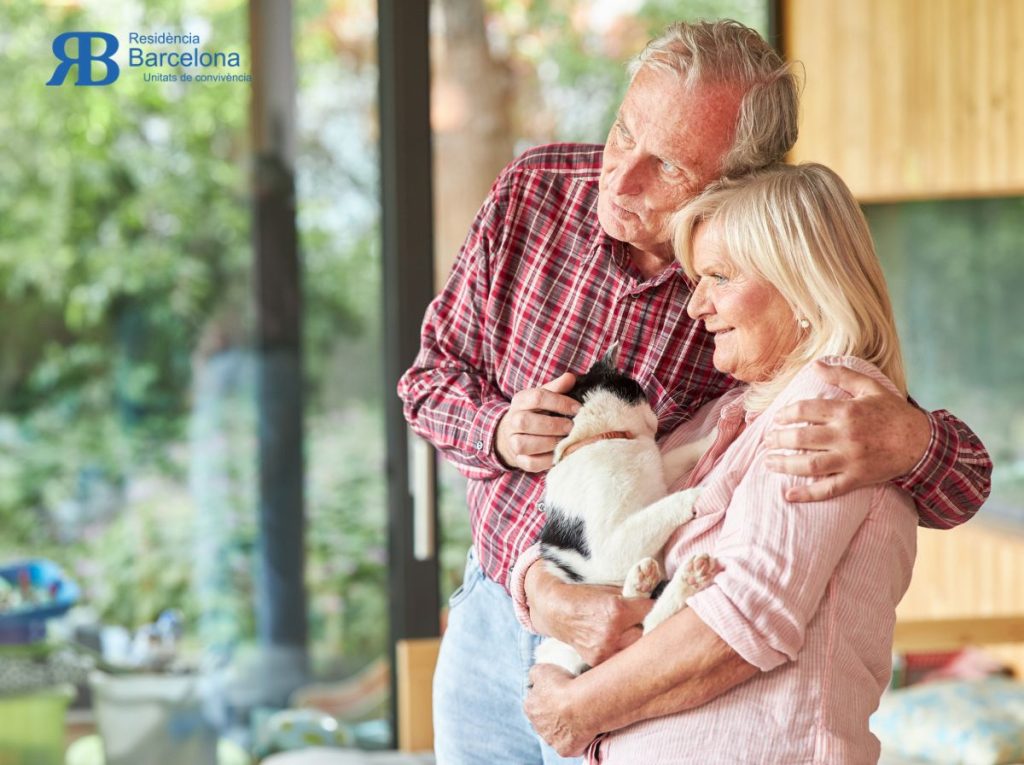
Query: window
[956, 276]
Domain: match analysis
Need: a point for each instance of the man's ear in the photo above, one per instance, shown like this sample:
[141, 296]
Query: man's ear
[611, 357]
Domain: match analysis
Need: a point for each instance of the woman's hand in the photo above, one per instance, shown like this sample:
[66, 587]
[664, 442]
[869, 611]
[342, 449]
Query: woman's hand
[550, 710]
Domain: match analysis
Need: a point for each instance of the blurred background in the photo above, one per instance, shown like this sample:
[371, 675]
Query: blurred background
[130, 414]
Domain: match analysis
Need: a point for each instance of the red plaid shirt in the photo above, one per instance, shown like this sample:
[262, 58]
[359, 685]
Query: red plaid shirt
[539, 289]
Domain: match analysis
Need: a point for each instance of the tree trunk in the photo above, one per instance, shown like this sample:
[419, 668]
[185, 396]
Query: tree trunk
[472, 121]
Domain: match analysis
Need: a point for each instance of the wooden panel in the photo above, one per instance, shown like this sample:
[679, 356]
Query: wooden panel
[975, 570]
[414, 669]
[947, 634]
[911, 99]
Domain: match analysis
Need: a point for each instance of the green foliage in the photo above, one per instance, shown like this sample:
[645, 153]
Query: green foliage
[125, 221]
[125, 265]
[346, 574]
[578, 51]
[142, 562]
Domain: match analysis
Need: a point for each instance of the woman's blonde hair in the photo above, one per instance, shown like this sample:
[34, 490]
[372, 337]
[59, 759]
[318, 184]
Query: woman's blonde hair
[799, 228]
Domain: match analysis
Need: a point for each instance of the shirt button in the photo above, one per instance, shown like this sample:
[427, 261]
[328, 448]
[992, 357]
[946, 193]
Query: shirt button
[479, 446]
[540, 506]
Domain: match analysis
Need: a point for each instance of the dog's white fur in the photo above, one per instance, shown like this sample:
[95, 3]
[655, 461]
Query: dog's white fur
[619, 488]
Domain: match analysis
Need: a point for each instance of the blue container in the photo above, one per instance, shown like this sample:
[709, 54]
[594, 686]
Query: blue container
[27, 623]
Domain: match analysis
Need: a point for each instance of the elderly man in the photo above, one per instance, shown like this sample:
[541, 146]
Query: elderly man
[569, 253]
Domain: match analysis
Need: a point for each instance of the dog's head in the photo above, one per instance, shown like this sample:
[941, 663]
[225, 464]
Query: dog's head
[611, 401]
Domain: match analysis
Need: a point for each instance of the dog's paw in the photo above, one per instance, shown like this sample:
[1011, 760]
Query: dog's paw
[551, 651]
[642, 578]
[699, 571]
[687, 501]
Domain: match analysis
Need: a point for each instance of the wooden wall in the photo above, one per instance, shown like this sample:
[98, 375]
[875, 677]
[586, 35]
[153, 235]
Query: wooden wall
[910, 99]
[974, 570]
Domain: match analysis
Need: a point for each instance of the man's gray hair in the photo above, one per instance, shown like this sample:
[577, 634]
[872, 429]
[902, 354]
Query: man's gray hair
[727, 52]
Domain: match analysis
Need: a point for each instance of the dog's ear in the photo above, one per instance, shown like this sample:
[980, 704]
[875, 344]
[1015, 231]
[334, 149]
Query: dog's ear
[611, 357]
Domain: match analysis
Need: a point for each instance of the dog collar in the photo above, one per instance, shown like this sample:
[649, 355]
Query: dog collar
[594, 439]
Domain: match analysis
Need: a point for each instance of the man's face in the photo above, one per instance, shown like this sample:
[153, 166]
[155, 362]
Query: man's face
[665, 146]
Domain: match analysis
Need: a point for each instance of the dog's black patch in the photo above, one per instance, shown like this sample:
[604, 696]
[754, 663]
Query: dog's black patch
[564, 533]
[606, 377]
[570, 572]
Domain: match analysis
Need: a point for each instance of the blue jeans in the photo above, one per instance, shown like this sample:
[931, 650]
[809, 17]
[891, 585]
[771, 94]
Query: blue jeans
[480, 681]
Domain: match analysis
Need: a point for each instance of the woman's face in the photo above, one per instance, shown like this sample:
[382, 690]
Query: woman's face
[754, 327]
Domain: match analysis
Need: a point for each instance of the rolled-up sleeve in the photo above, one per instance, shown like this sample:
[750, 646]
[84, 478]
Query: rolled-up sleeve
[777, 559]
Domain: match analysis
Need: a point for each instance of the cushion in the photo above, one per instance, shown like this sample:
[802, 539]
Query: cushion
[978, 722]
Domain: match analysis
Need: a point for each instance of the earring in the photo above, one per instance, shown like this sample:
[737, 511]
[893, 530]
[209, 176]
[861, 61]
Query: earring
[804, 324]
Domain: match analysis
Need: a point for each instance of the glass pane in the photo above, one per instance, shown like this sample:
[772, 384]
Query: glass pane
[511, 74]
[128, 421]
[338, 195]
[956, 277]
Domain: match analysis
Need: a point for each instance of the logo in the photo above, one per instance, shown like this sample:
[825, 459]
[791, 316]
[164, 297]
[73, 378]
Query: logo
[183, 54]
[85, 57]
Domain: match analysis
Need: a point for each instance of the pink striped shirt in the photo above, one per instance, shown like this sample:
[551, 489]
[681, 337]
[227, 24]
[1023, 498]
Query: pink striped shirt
[807, 594]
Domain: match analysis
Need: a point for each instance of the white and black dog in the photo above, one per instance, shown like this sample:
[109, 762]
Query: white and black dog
[609, 513]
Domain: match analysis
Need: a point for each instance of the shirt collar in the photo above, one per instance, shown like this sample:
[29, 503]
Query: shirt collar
[608, 247]
[734, 410]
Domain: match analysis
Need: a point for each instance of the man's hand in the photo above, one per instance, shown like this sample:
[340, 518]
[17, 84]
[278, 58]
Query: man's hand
[529, 430]
[550, 710]
[869, 439]
[595, 620]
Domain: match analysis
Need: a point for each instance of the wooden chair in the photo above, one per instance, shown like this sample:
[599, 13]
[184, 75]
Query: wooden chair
[415, 659]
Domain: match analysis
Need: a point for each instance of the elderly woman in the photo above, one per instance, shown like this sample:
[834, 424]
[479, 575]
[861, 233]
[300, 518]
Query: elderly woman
[783, 657]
